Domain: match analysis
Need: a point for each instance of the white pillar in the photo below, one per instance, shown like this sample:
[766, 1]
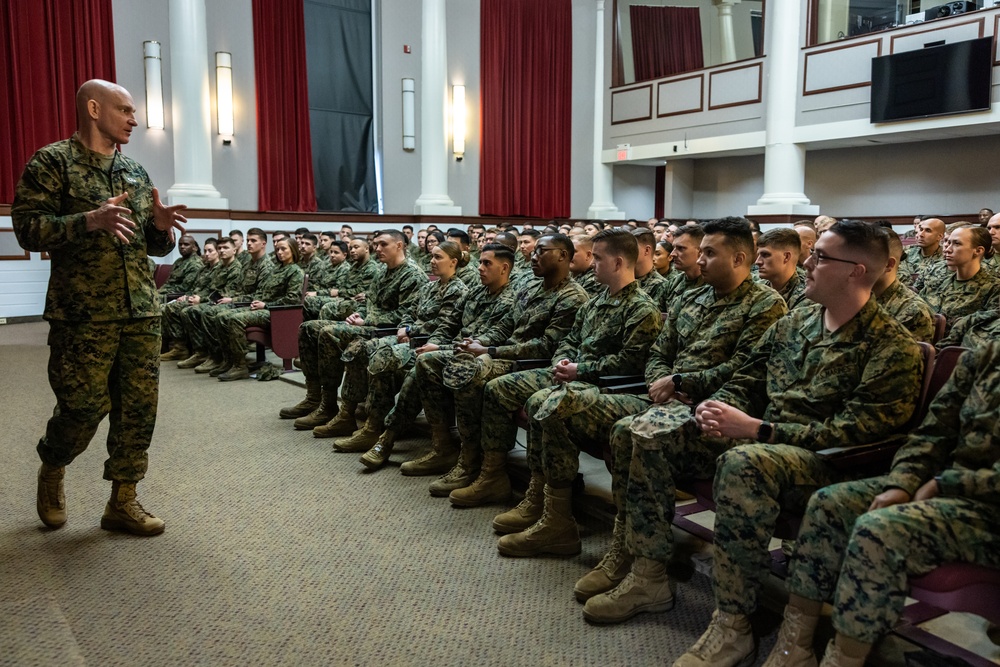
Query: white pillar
[191, 109]
[727, 38]
[433, 139]
[784, 161]
[603, 207]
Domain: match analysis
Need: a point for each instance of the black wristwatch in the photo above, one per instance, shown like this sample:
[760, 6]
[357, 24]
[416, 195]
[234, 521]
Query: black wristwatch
[677, 381]
[764, 432]
[491, 350]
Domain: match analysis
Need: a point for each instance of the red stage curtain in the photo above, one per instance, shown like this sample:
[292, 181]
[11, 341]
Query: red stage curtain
[526, 74]
[47, 49]
[665, 41]
[284, 152]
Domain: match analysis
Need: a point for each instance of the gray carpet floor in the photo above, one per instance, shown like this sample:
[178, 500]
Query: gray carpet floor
[280, 552]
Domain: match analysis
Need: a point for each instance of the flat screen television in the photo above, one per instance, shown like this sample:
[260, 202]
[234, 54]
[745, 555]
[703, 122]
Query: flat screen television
[933, 81]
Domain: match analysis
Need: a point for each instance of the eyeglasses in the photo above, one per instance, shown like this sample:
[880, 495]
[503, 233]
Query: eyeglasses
[823, 257]
[540, 250]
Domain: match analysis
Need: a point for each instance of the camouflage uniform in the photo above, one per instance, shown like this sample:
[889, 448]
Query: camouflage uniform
[658, 289]
[358, 280]
[677, 284]
[173, 328]
[611, 336]
[281, 286]
[316, 268]
[469, 274]
[972, 331]
[533, 328]
[101, 304]
[322, 343]
[956, 298]
[915, 264]
[862, 558]
[436, 301]
[589, 283]
[794, 291]
[255, 272]
[705, 340]
[196, 320]
[909, 310]
[480, 312]
[856, 385]
[183, 275]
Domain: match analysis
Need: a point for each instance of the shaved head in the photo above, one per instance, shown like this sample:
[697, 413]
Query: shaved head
[105, 115]
[98, 90]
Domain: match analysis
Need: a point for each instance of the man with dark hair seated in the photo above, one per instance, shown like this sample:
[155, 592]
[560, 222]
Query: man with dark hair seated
[840, 372]
[778, 262]
[650, 280]
[687, 274]
[898, 300]
[861, 541]
[343, 298]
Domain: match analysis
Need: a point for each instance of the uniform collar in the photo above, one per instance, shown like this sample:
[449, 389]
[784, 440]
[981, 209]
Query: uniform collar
[709, 300]
[83, 155]
[853, 331]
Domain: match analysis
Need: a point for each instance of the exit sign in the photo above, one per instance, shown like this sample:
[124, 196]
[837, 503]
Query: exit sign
[624, 152]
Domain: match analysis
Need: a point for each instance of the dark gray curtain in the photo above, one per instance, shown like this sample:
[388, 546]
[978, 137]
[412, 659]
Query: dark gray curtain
[339, 63]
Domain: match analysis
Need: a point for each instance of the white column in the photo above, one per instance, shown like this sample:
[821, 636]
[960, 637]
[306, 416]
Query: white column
[602, 208]
[727, 38]
[784, 161]
[433, 90]
[190, 105]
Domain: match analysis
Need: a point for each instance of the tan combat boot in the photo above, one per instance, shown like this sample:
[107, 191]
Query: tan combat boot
[221, 368]
[342, 424]
[324, 412]
[124, 513]
[610, 571]
[361, 440]
[51, 500]
[238, 371]
[843, 651]
[555, 533]
[527, 512]
[196, 359]
[646, 588]
[795, 638]
[442, 457]
[462, 474]
[210, 364]
[314, 393]
[378, 455]
[492, 485]
[177, 352]
[728, 642]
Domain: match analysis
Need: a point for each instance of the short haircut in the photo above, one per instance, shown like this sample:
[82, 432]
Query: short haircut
[895, 244]
[696, 232]
[562, 241]
[500, 251]
[309, 236]
[864, 238]
[595, 223]
[237, 232]
[258, 232]
[455, 251]
[395, 234]
[211, 241]
[224, 240]
[460, 235]
[780, 238]
[620, 242]
[346, 226]
[583, 240]
[804, 223]
[644, 236]
[533, 233]
[280, 235]
[302, 230]
[405, 227]
[507, 239]
[330, 235]
[736, 230]
[340, 244]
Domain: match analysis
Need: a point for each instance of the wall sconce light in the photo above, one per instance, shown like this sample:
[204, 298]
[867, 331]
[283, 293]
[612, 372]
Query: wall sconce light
[458, 121]
[154, 85]
[409, 117]
[224, 93]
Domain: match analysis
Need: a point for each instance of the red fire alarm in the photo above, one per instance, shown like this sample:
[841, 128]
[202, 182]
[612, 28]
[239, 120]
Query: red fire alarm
[406, 48]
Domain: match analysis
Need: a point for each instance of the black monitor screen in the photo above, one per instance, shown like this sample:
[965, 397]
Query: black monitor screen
[934, 81]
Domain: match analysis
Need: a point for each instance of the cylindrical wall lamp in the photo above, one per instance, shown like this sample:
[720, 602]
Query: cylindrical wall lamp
[458, 121]
[224, 92]
[409, 116]
[154, 85]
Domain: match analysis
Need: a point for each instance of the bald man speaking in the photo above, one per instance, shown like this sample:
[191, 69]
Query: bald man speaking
[99, 217]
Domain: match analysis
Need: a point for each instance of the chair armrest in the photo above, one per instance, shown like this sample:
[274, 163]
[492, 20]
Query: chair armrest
[287, 307]
[615, 380]
[418, 341]
[630, 388]
[384, 332]
[240, 304]
[871, 458]
[530, 364]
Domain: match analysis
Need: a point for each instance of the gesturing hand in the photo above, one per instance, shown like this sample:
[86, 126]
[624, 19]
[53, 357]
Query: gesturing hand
[167, 218]
[110, 218]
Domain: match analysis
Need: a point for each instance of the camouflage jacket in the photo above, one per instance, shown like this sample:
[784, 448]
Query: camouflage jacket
[909, 310]
[658, 289]
[469, 274]
[706, 339]
[794, 292]
[915, 265]
[589, 283]
[393, 294]
[521, 276]
[480, 313]
[958, 439]
[254, 273]
[281, 286]
[975, 330]
[359, 278]
[538, 321]
[317, 266]
[823, 389]
[612, 334]
[956, 298]
[183, 275]
[435, 301]
[228, 279]
[677, 284]
[203, 284]
[244, 258]
[94, 276]
[336, 275]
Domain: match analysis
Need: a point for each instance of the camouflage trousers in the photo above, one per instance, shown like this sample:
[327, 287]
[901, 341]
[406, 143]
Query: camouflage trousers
[337, 308]
[333, 339]
[379, 389]
[504, 396]
[467, 403]
[230, 327]
[554, 443]
[97, 369]
[661, 445]
[404, 412]
[753, 483]
[171, 322]
[863, 559]
[199, 329]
